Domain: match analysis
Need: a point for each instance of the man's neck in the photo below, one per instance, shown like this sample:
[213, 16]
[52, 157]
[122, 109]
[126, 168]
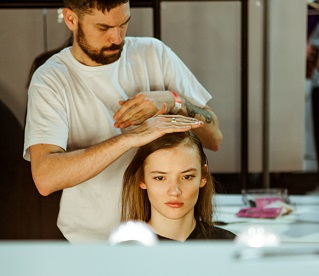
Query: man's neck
[81, 57]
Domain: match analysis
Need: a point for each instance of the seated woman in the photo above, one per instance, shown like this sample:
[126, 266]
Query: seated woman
[168, 185]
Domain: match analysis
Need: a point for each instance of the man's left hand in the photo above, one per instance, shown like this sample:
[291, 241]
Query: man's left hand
[144, 105]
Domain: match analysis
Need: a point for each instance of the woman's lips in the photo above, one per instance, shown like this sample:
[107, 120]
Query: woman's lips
[174, 204]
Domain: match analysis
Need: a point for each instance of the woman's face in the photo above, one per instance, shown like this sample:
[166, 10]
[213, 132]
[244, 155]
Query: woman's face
[172, 178]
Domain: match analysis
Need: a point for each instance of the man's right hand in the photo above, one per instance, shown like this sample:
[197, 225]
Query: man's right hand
[144, 105]
[159, 125]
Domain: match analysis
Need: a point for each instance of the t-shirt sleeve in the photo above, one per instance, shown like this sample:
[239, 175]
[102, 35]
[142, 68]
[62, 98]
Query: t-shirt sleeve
[46, 121]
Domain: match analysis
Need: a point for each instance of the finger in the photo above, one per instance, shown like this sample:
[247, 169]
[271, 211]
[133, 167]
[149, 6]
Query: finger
[191, 124]
[175, 121]
[145, 116]
[138, 114]
[142, 119]
[139, 118]
[180, 118]
[135, 114]
[162, 111]
[155, 127]
[136, 119]
[182, 121]
[170, 127]
[127, 105]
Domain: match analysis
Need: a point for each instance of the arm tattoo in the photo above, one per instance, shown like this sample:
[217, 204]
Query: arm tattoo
[192, 110]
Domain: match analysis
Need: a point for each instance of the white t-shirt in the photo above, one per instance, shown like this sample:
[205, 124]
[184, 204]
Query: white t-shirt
[72, 106]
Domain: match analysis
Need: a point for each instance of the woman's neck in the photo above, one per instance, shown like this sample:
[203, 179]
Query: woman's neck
[178, 230]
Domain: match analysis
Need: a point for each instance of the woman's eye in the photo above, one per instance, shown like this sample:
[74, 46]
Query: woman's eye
[188, 177]
[159, 178]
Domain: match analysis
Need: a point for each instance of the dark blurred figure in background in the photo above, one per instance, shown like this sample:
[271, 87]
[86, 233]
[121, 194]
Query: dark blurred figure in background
[312, 73]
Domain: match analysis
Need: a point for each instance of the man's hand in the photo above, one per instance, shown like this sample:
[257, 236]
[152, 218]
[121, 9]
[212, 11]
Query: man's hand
[143, 106]
[159, 125]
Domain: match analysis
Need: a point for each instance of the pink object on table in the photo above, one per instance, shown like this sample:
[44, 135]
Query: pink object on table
[256, 212]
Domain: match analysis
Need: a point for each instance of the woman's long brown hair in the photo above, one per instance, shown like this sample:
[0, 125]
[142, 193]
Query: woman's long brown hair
[135, 202]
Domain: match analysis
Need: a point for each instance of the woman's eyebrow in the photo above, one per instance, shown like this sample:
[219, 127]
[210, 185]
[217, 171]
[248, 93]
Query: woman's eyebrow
[186, 171]
[158, 172]
[190, 170]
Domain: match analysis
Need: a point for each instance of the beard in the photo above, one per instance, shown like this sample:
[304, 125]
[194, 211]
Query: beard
[98, 55]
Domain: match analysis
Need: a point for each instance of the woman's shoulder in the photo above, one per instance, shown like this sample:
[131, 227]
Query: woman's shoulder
[205, 231]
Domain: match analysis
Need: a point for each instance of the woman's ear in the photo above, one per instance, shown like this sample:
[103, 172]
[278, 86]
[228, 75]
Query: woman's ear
[203, 182]
[143, 185]
[204, 178]
[70, 19]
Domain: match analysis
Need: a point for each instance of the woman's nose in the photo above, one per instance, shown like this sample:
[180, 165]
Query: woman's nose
[174, 189]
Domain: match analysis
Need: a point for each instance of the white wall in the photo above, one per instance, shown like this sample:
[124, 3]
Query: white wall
[287, 83]
[21, 40]
[206, 35]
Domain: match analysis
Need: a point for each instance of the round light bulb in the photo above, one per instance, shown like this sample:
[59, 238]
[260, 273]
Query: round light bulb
[133, 232]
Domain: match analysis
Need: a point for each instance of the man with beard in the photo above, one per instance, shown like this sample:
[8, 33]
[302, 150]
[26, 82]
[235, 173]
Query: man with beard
[92, 104]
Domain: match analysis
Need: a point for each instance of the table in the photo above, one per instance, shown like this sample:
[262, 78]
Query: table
[197, 258]
[299, 246]
[300, 226]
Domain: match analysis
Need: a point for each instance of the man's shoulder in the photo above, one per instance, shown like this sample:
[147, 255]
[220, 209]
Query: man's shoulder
[147, 42]
[53, 62]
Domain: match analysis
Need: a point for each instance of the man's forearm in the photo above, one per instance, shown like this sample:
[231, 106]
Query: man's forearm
[210, 134]
[53, 169]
